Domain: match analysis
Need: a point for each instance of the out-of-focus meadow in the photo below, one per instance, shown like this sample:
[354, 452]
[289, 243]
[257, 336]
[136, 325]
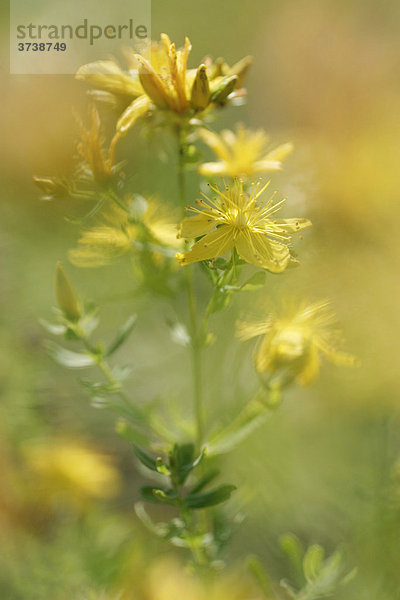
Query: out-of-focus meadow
[326, 466]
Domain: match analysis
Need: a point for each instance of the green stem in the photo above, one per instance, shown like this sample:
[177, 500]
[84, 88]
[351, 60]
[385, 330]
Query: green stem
[195, 332]
[106, 370]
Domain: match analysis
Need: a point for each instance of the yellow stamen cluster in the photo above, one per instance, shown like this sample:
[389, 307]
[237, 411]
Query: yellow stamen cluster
[236, 219]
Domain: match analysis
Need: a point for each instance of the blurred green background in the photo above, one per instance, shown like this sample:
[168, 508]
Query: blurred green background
[326, 465]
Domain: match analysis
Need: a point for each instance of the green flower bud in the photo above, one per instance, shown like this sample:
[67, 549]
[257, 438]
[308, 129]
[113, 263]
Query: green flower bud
[223, 89]
[200, 96]
[66, 298]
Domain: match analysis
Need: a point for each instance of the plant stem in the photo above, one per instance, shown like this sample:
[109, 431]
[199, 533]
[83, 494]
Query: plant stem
[106, 370]
[195, 333]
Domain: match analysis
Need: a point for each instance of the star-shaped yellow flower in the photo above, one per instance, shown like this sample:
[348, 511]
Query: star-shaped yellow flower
[294, 341]
[236, 219]
[242, 154]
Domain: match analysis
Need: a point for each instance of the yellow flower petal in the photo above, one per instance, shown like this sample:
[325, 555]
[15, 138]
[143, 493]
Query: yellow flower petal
[279, 153]
[213, 168]
[246, 331]
[264, 166]
[257, 249]
[153, 85]
[107, 75]
[192, 227]
[216, 144]
[311, 367]
[135, 110]
[212, 245]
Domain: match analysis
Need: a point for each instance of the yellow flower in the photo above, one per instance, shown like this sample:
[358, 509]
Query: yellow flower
[69, 468]
[120, 233]
[242, 154]
[159, 77]
[98, 161]
[235, 219]
[294, 342]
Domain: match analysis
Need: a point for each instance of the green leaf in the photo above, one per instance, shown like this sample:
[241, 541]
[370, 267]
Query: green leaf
[211, 498]
[257, 570]
[220, 300]
[182, 461]
[292, 547]
[204, 481]
[67, 358]
[312, 561]
[145, 459]
[122, 335]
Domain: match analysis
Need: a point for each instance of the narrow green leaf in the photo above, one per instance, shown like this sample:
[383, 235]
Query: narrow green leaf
[122, 335]
[257, 570]
[292, 547]
[145, 459]
[211, 498]
[312, 561]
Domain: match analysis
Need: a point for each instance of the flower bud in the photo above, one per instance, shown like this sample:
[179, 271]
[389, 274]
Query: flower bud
[223, 89]
[200, 96]
[152, 84]
[66, 298]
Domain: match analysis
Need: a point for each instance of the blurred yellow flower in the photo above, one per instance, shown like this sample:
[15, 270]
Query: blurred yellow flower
[74, 470]
[295, 341]
[159, 77]
[120, 233]
[168, 580]
[242, 154]
[98, 162]
[234, 219]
